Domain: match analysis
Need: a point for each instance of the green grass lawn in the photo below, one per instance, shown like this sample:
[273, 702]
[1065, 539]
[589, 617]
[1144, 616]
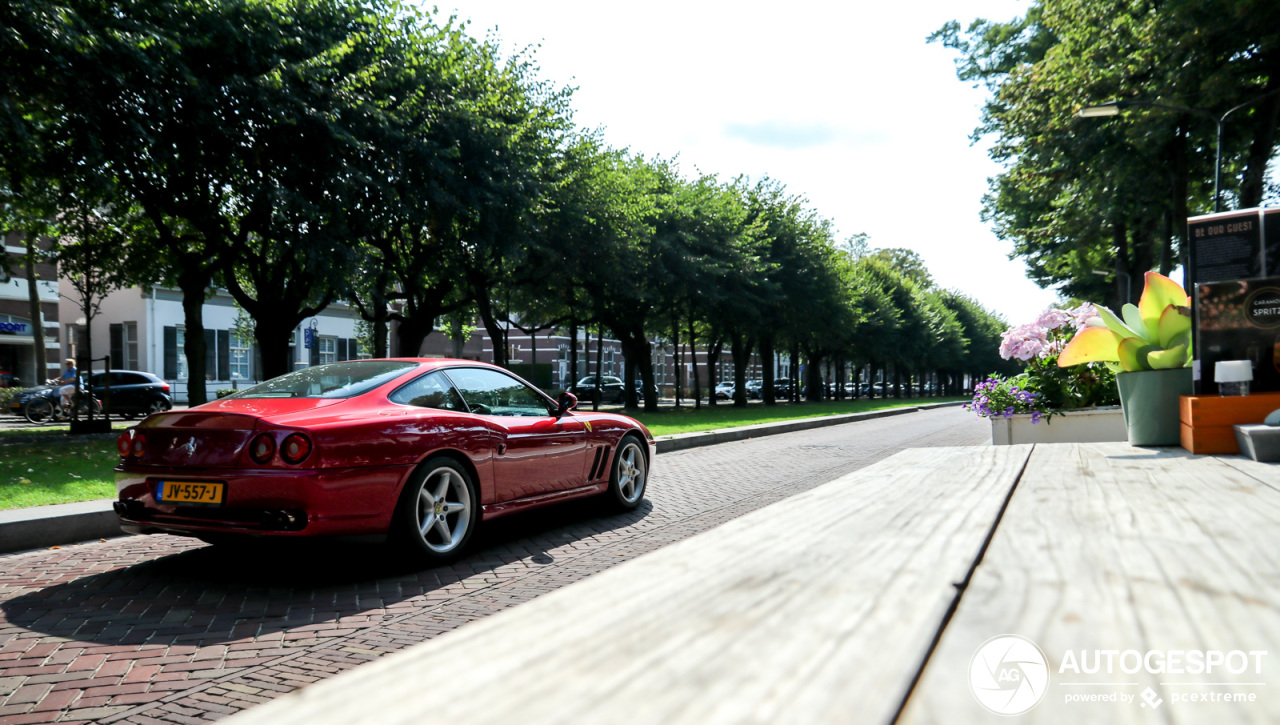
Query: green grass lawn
[723, 415]
[37, 474]
[41, 472]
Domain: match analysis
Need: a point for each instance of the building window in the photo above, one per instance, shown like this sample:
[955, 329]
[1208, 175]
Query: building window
[130, 347]
[328, 350]
[182, 353]
[241, 354]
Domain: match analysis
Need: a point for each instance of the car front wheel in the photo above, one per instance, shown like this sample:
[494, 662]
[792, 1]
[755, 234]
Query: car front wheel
[629, 476]
[437, 512]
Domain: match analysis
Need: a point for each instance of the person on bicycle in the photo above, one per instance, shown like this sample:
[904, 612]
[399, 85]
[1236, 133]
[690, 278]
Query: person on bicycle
[68, 382]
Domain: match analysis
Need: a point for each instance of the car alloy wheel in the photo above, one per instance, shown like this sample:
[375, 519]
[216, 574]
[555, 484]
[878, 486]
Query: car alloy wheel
[439, 509]
[630, 474]
[156, 406]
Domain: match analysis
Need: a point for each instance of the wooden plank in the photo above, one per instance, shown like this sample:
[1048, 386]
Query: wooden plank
[819, 608]
[1109, 547]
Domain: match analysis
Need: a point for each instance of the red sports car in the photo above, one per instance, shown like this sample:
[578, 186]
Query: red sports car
[419, 450]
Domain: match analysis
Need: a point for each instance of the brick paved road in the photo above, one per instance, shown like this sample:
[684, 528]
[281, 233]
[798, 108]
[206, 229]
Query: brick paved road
[165, 629]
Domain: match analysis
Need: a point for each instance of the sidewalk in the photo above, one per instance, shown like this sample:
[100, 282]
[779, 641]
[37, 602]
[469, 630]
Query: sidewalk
[44, 526]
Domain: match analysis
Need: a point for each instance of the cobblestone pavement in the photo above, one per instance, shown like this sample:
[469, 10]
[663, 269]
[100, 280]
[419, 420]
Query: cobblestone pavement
[166, 629]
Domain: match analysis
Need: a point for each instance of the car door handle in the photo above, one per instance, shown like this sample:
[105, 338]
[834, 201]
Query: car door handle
[502, 448]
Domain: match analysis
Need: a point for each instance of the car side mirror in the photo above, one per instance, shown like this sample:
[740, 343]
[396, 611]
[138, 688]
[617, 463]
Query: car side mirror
[568, 401]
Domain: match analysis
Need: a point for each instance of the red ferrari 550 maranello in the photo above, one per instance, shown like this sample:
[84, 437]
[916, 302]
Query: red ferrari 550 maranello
[419, 450]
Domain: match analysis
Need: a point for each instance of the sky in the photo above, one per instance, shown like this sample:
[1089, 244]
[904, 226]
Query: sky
[843, 102]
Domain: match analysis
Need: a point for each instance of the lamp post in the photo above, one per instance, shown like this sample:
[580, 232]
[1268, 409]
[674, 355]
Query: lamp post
[1113, 108]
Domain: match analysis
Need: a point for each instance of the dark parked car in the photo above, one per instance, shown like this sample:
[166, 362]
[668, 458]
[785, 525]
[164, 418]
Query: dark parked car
[611, 390]
[133, 393]
[782, 388]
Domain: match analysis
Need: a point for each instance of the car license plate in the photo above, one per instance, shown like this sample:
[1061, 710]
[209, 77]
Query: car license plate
[200, 493]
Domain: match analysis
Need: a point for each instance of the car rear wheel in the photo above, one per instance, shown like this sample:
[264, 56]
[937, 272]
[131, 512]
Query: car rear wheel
[629, 476]
[157, 406]
[438, 511]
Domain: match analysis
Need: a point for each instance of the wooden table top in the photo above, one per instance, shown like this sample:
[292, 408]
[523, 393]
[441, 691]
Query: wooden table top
[868, 599]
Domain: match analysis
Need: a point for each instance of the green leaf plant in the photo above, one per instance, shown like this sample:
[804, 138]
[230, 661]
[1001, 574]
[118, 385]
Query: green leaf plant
[1155, 334]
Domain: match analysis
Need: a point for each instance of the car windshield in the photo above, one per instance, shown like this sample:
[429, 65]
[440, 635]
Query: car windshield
[335, 380]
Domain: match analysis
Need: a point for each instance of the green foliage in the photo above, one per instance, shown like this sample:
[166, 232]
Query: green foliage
[298, 153]
[1081, 194]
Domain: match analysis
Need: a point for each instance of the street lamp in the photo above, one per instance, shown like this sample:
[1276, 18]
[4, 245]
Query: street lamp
[1113, 108]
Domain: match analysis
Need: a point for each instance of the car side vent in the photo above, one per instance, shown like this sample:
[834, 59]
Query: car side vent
[604, 462]
[595, 465]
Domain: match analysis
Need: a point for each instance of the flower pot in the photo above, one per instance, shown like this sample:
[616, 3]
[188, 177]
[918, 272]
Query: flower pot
[1150, 402]
[1083, 425]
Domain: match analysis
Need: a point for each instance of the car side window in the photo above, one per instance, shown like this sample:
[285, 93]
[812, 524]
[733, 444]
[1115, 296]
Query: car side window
[432, 390]
[489, 392]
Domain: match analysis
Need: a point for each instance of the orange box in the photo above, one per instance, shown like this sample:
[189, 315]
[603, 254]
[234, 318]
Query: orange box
[1207, 419]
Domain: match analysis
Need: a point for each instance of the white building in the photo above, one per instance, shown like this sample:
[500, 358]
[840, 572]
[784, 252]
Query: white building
[143, 329]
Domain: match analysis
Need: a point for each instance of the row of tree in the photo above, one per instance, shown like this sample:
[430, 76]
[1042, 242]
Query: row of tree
[302, 152]
[1084, 194]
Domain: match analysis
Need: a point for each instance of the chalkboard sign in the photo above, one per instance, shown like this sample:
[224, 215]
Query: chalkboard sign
[1226, 246]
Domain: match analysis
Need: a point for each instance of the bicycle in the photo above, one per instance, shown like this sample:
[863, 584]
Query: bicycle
[48, 408]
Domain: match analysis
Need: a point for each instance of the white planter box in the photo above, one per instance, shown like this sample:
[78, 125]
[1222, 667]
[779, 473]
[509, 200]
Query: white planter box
[1087, 425]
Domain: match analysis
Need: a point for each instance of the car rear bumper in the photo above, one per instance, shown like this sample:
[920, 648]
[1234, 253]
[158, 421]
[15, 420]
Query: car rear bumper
[326, 502]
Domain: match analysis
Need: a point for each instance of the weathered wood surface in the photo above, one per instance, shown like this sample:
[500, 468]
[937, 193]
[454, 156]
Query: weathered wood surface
[1108, 547]
[818, 609]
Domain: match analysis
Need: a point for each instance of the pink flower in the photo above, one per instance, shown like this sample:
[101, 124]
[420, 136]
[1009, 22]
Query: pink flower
[1053, 318]
[1024, 342]
[1082, 314]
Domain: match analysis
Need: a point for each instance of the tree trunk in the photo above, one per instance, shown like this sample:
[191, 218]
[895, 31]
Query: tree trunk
[379, 323]
[675, 356]
[37, 314]
[194, 283]
[768, 388]
[455, 334]
[272, 337]
[741, 358]
[636, 352]
[497, 333]
[713, 359]
[693, 356]
[813, 379]
[1264, 138]
[411, 332]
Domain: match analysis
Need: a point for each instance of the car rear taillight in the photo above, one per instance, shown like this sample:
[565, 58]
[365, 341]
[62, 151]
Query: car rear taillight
[165, 387]
[262, 448]
[139, 446]
[295, 448]
[124, 443]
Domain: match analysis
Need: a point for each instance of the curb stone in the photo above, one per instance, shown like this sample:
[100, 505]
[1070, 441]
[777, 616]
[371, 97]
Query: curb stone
[44, 526]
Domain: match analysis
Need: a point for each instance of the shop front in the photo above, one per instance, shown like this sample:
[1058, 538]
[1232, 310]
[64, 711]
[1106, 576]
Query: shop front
[17, 352]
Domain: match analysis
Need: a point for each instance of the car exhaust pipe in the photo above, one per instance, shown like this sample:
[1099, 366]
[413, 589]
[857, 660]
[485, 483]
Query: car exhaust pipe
[284, 519]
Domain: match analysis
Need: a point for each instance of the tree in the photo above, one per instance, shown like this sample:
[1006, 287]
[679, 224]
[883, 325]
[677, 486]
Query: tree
[1084, 194]
[96, 256]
